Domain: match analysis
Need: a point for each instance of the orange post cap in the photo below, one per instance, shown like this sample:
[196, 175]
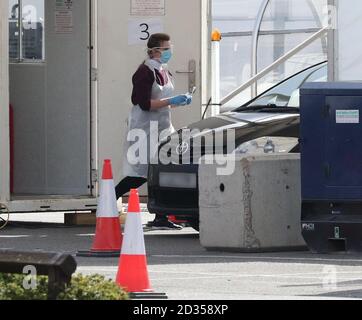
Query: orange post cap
[216, 35]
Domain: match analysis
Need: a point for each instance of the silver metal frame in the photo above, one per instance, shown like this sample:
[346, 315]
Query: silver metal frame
[4, 103]
[255, 42]
[21, 28]
[278, 62]
[256, 33]
[320, 23]
[332, 48]
[206, 7]
[94, 161]
[270, 32]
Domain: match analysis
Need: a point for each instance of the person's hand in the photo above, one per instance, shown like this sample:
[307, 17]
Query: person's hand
[180, 100]
[189, 99]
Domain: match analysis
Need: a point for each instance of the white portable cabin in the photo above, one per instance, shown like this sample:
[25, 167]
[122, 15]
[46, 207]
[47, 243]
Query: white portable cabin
[345, 47]
[70, 109]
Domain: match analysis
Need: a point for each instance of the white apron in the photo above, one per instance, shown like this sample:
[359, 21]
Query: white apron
[139, 119]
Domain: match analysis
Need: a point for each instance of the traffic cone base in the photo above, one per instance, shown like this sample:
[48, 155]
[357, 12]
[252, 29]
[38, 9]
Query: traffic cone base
[132, 273]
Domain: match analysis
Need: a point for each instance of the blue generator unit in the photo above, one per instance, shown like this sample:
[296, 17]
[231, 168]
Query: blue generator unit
[331, 166]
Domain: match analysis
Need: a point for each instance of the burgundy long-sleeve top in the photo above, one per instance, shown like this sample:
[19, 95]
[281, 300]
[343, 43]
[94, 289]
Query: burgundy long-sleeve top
[143, 81]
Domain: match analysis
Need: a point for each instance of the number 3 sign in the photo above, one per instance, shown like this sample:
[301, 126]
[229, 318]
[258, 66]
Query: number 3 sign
[145, 32]
[139, 31]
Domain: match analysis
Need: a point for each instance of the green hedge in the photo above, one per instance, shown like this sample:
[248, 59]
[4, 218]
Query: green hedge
[94, 287]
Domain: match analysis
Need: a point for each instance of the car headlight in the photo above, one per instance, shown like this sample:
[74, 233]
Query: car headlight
[178, 180]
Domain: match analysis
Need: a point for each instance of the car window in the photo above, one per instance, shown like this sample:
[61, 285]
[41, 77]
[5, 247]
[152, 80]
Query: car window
[319, 75]
[286, 94]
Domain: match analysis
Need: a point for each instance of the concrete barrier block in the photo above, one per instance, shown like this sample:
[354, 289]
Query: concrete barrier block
[255, 209]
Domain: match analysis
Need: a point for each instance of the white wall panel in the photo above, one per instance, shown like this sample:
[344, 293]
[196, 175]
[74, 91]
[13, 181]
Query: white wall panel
[348, 45]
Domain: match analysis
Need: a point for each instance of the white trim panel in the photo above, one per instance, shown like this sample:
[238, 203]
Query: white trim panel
[52, 205]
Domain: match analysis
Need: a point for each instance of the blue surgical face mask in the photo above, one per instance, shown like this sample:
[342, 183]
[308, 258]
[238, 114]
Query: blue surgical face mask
[166, 56]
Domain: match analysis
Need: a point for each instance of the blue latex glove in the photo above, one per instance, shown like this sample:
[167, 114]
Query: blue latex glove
[189, 99]
[180, 100]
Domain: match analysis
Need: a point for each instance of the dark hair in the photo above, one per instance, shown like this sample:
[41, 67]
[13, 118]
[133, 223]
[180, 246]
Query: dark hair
[156, 40]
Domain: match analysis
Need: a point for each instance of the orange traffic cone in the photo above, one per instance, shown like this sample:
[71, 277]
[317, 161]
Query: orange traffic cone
[132, 272]
[108, 237]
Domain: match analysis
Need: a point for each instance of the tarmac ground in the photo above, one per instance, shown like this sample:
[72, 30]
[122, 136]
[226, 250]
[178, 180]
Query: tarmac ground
[180, 267]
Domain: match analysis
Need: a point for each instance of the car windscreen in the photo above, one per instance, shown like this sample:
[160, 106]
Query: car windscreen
[286, 94]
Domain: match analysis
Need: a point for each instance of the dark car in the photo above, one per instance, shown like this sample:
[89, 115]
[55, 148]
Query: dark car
[266, 124]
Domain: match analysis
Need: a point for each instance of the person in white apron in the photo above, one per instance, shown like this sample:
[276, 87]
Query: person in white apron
[152, 99]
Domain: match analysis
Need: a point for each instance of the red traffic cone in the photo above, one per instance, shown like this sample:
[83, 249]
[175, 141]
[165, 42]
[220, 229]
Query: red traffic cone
[108, 237]
[132, 272]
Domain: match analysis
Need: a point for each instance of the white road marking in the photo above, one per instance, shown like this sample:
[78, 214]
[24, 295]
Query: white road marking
[256, 276]
[203, 275]
[15, 237]
[263, 275]
[314, 275]
[259, 258]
